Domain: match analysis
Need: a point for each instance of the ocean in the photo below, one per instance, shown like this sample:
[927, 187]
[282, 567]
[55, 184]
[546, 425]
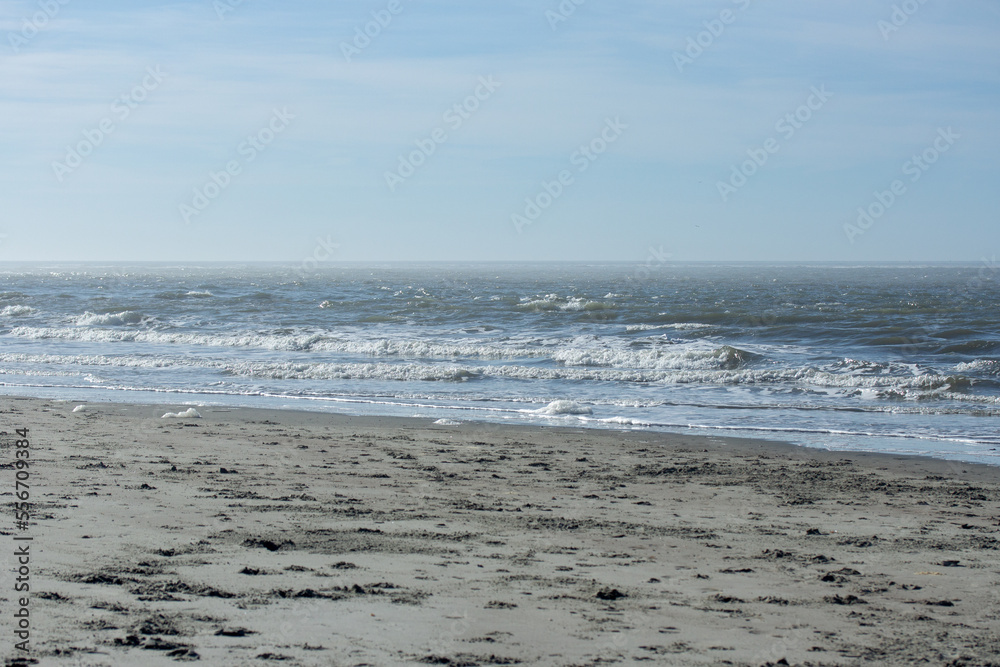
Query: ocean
[886, 358]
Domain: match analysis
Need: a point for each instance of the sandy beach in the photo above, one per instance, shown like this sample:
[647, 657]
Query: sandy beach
[247, 536]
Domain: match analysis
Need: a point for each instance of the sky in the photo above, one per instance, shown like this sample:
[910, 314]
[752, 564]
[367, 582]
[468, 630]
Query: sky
[439, 130]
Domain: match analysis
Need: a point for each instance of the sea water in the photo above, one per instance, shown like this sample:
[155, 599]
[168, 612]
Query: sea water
[889, 358]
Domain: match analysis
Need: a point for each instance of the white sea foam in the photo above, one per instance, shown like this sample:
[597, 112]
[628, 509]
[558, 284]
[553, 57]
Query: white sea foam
[300, 342]
[865, 386]
[623, 421]
[554, 302]
[679, 326]
[125, 317]
[563, 407]
[989, 366]
[448, 422]
[190, 413]
[578, 352]
[16, 311]
[91, 360]
[80, 408]
[353, 371]
[656, 358]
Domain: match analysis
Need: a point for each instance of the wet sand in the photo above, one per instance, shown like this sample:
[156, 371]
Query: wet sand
[275, 537]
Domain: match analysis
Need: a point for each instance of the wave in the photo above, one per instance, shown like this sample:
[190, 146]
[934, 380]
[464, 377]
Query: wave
[349, 371]
[568, 354]
[915, 388]
[970, 347]
[679, 326]
[554, 302]
[862, 386]
[866, 367]
[91, 360]
[961, 332]
[17, 311]
[626, 421]
[240, 339]
[562, 407]
[987, 366]
[38, 372]
[180, 294]
[124, 318]
[724, 357]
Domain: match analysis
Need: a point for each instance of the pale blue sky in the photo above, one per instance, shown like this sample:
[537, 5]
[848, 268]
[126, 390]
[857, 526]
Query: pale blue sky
[679, 131]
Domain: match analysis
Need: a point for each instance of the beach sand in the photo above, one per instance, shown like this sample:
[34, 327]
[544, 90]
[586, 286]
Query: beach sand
[254, 537]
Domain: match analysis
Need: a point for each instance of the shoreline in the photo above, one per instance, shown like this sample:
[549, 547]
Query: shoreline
[951, 464]
[253, 534]
[930, 464]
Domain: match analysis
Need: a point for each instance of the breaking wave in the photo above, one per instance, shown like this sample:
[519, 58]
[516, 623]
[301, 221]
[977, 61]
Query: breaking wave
[16, 311]
[569, 354]
[563, 407]
[124, 318]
